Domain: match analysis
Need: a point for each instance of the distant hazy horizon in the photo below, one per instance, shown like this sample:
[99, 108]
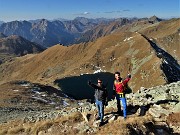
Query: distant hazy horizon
[11, 10]
[84, 17]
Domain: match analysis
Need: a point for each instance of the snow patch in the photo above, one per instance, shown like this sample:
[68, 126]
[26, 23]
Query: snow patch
[65, 103]
[37, 92]
[15, 90]
[165, 61]
[67, 96]
[99, 70]
[25, 85]
[127, 39]
[40, 99]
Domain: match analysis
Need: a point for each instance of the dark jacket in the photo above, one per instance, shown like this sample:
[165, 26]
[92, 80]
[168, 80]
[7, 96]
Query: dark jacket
[100, 92]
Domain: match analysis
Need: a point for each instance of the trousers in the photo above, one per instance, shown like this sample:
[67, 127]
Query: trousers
[121, 101]
[100, 107]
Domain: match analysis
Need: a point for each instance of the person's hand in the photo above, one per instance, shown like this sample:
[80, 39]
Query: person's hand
[129, 74]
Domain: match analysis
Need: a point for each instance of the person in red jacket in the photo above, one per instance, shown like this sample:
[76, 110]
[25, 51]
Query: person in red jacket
[119, 92]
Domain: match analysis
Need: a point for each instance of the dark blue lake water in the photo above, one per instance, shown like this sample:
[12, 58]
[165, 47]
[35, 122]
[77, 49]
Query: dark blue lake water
[78, 88]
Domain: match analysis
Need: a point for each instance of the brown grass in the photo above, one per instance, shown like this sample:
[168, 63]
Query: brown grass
[69, 120]
[41, 126]
[17, 127]
[3, 132]
[7, 94]
[120, 126]
[15, 130]
[174, 119]
[74, 118]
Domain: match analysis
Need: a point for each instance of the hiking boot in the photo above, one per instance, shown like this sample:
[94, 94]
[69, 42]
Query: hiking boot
[120, 113]
[101, 124]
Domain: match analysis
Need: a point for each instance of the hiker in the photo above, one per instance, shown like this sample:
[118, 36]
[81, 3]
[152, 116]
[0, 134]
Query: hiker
[100, 98]
[119, 92]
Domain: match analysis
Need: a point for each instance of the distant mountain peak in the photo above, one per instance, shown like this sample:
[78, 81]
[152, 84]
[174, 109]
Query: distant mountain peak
[43, 21]
[154, 19]
[18, 45]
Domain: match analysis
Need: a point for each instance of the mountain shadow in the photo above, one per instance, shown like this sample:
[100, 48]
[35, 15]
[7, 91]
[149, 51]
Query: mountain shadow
[169, 65]
[77, 87]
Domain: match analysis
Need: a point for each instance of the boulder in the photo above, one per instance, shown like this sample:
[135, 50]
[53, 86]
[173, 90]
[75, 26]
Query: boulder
[177, 107]
[112, 119]
[157, 111]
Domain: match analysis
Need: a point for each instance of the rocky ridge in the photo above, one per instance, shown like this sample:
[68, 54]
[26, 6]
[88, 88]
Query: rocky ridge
[158, 105]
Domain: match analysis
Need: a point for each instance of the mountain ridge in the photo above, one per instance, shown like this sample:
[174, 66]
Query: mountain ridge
[20, 45]
[74, 58]
[49, 33]
[15, 46]
[45, 32]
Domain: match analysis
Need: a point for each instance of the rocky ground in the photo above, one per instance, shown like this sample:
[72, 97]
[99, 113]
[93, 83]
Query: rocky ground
[21, 98]
[150, 111]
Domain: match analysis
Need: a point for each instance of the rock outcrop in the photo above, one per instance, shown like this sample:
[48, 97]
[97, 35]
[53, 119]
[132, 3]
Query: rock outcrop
[150, 111]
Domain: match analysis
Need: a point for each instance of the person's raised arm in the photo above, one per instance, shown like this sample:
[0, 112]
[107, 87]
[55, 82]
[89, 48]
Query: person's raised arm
[127, 79]
[92, 85]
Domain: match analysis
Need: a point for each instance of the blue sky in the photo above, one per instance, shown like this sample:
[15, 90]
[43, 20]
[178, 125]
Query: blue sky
[69, 9]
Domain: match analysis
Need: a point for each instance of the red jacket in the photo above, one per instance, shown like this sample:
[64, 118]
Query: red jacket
[119, 85]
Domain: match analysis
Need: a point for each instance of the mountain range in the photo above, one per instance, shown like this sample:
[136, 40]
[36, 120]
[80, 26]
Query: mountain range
[50, 32]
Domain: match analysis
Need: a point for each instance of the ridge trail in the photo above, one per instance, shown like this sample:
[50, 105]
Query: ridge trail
[169, 66]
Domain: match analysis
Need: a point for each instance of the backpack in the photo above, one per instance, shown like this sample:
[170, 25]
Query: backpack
[127, 89]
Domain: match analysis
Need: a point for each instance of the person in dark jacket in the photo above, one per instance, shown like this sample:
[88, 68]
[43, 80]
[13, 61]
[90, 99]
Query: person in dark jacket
[100, 98]
[119, 92]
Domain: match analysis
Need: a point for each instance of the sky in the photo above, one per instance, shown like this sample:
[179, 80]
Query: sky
[11, 10]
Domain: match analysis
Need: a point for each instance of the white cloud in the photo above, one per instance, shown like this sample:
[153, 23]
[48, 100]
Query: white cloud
[85, 13]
